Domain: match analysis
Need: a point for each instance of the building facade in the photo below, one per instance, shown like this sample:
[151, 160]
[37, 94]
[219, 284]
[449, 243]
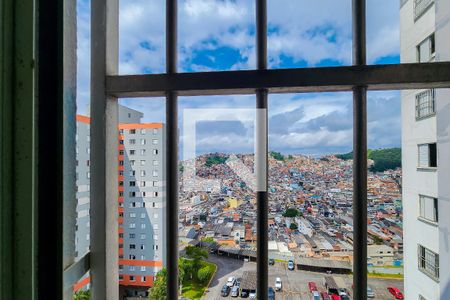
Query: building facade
[141, 194]
[424, 36]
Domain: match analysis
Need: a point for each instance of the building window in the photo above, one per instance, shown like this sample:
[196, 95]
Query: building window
[142, 183]
[132, 225]
[155, 173]
[420, 7]
[121, 131]
[155, 237]
[428, 208]
[143, 215]
[425, 104]
[120, 162]
[121, 152]
[142, 173]
[155, 142]
[132, 173]
[143, 278]
[155, 163]
[155, 226]
[426, 50]
[142, 162]
[132, 278]
[143, 131]
[143, 141]
[143, 226]
[155, 131]
[427, 155]
[131, 256]
[143, 236]
[132, 152]
[143, 269]
[428, 262]
[132, 215]
[132, 194]
[142, 151]
[132, 235]
[155, 151]
[131, 268]
[132, 141]
[132, 246]
[132, 131]
[132, 183]
[132, 162]
[120, 173]
[142, 247]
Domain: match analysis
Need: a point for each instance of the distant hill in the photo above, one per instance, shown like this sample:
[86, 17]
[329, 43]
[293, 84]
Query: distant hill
[384, 159]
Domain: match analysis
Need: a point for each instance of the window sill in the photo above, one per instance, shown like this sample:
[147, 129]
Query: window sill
[427, 169]
[429, 222]
[425, 117]
[429, 275]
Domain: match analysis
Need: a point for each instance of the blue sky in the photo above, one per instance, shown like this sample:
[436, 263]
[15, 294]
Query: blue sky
[220, 35]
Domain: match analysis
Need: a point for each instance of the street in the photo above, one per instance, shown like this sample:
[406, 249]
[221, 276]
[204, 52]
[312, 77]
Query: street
[295, 283]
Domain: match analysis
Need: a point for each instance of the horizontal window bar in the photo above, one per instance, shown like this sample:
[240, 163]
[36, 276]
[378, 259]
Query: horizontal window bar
[76, 271]
[375, 77]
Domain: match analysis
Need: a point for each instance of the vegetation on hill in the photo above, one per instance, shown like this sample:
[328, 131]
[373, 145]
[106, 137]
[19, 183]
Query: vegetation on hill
[384, 159]
[215, 160]
[277, 155]
[291, 213]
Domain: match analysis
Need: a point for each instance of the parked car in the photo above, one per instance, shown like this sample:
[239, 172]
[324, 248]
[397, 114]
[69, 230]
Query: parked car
[231, 280]
[395, 292]
[342, 292]
[244, 294]
[271, 294]
[315, 295]
[238, 282]
[335, 297]
[345, 297]
[325, 296]
[252, 294]
[312, 286]
[225, 291]
[271, 261]
[235, 291]
[278, 284]
[291, 265]
[370, 293]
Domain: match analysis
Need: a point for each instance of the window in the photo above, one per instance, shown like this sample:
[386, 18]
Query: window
[155, 131]
[121, 131]
[120, 162]
[427, 155]
[142, 173]
[155, 194]
[142, 247]
[428, 208]
[132, 225]
[142, 162]
[132, 131]
[132, 173]
[132, 152]
[425, 102]
[120, 183]
[428, 262]
[143, 278]
[142, 183]
[132, 215]
[121, 142]
[155, 163]
[421, 7]
[132, 278]
[155, 151]
[132, 246]
[143, 269]
[143, 226]
[155, 173]
[155, 215]
[132, 194]
[155, 237]
[131, 256]
[132, 141]
[131, 268]
[155, 142]
[426, 50]
[143, 215]
[132, 235]
[121, 152]
[155, 183]
[143, 236]
[120, 173]
[142, 130]
[132, 183]
[155, 226]
[142, 151]
[132, 162]
[143, 141]
[142, 257]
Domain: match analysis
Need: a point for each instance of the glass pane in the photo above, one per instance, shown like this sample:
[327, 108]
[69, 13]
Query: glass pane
[216, 35]
[141, 197]
[142, 30]
[217, 196]
[309, 33]
[310, 185]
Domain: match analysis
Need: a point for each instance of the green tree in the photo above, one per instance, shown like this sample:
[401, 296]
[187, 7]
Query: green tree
[204, 274]
[196, 254]
[377, 240]
[290, 213]
[159, 288]
[293, 226]
[277, 155]
[82, 295]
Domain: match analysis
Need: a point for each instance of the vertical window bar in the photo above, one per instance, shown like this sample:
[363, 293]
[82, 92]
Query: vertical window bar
[172, 154]
[104, 155]
[261, 161]
[359, 156]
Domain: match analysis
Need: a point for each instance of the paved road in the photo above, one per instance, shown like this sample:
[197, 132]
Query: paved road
[294, 282]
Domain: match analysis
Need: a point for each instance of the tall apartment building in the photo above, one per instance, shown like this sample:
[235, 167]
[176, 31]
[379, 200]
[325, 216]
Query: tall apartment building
[425, 37]
[141, 197]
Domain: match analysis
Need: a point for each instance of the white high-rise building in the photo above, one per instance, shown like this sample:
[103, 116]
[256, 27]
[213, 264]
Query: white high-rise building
[425, 37]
